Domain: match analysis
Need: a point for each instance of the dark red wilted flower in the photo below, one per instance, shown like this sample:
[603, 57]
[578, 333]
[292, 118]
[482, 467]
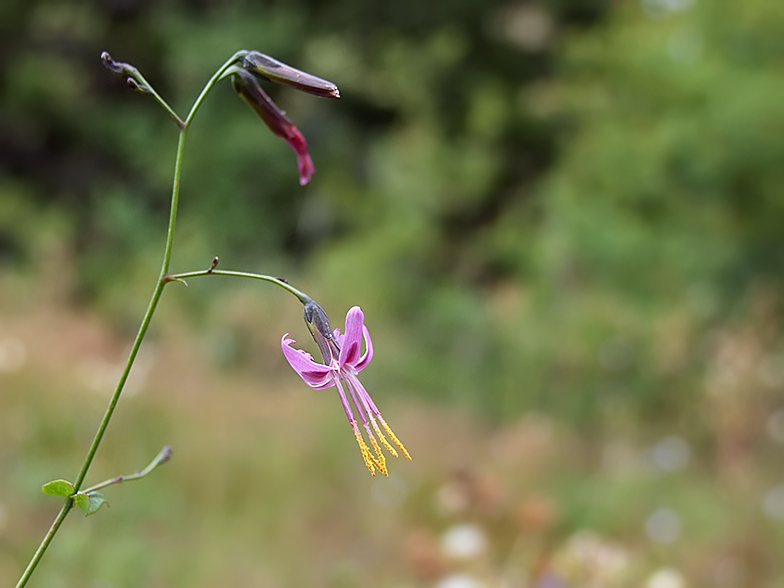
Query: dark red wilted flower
[246, 78]
[251, 91]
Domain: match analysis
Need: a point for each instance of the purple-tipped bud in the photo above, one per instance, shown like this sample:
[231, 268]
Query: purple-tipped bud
[273, 70]
[165, 454]
[320, 328]
[116, 67]
[251, 91]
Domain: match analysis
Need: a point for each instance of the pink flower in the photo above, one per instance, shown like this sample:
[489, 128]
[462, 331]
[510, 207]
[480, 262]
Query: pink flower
[343, 360]
[251, 91]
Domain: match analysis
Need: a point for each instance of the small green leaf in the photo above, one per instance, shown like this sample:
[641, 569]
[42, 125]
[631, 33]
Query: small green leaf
[58, 488]
[91, 502]
[83, 502]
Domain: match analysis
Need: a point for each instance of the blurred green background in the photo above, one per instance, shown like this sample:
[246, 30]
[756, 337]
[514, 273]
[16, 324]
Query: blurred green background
[563, 220]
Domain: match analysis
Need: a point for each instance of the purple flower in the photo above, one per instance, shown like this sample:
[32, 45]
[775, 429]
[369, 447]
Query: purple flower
[343, 360]
[251, 91]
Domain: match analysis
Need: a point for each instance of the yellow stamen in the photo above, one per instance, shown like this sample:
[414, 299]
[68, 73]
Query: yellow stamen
[382, 438]
[381, 461]
[370, 461]
[394, 437]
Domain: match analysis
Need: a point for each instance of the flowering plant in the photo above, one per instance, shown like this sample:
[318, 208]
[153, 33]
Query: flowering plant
[342, 358]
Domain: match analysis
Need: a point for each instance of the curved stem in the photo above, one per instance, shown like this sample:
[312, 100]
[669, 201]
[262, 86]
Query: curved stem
[213, 80]
[162, 457]
[301, 296]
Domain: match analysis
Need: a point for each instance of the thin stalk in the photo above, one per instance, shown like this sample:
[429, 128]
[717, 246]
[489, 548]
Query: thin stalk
[162, 457]
[147, 88]
[156, 295]
[67, 506]
[301, 296]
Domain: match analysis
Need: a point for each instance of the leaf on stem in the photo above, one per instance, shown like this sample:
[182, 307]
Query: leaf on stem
[90, 502]
[59, 488]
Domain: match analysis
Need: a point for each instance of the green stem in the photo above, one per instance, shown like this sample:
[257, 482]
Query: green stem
[45, 543]
[213, 80]
[147, 88]
[162, 457]
[301, 296]
[115, 397]
[156, 296]
[163, 279]
[88, 460]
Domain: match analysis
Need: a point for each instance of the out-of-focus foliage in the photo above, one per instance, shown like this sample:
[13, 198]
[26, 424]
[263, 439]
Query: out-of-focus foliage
[431, 147]
[571, 208]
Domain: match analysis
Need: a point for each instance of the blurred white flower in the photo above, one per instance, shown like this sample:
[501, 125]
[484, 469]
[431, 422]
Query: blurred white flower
[463, 542]
[665, 578]
[458, 581]
[592, 560]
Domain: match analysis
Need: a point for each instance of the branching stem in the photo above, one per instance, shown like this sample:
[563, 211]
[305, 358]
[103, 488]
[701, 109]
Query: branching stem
[163, 279]
[301, 296]
[162, 457]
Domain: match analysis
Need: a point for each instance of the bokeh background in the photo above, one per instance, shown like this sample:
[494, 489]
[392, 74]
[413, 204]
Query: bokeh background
[562, 218]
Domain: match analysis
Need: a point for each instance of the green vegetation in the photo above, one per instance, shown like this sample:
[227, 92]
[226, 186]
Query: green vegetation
[562, 221]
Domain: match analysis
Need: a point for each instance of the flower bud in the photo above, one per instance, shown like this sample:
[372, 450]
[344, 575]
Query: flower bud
[273, 70]
[116, 67]
[320, 328]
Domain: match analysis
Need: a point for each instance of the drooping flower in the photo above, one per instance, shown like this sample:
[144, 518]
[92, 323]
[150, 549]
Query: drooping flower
[343, 360]
[250, 90]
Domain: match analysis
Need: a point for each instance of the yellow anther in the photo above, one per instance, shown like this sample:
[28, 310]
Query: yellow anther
[370, 461]
[394, 437]
[381, 461]
[382, 438]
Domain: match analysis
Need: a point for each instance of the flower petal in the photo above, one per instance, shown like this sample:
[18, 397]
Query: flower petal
[316, 375]
[251, 91]
[296, 141]
[368, 355]
[351, 343]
